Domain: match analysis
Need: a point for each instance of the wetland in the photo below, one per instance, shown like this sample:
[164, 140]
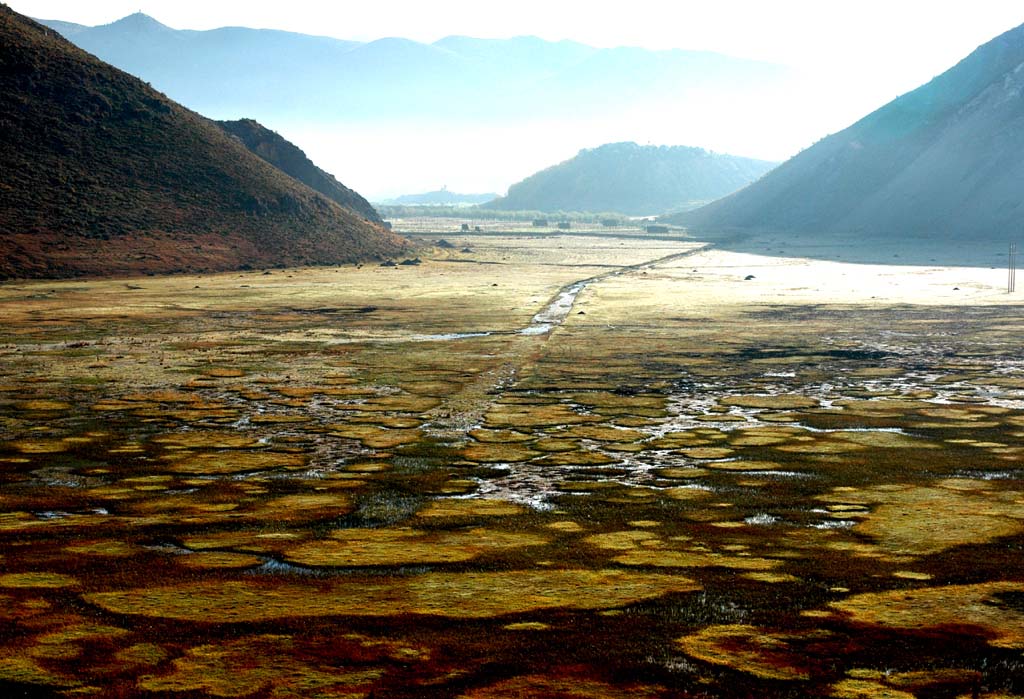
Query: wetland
[579, 465]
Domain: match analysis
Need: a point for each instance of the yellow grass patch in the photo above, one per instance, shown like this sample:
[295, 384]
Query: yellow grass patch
[497, 453]
[226, 462]
[708, 453]
[390, 547]
[457, 595]
[746, 649]
[217, 559]
[39, 580]
[560, 688]
[921, 520]
[774, 402]
[955, 605]
[262, 665]
[471, 508]
[201, 439]
[866, 689]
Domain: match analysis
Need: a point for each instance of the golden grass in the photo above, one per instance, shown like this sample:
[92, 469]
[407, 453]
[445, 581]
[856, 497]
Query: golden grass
[456, 595]
[396, 547]
[470, 509]
[38, 580]
[746, 649]
[921, 520]
[261, 665]
[933, 607]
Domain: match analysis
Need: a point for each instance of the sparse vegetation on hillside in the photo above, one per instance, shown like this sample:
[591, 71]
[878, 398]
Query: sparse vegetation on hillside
[289, 158]
[100, 174]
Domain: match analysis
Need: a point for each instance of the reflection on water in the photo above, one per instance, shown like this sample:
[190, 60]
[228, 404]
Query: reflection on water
[555, 313]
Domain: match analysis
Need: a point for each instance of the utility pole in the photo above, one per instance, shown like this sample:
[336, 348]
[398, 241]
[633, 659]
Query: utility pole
[1011, 270]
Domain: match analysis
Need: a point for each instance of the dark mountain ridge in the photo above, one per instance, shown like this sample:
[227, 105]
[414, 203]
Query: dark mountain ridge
[289, 158]
[945, 161]
[102, 175]
[632, 179]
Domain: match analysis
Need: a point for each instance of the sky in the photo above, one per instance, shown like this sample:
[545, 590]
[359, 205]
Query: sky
[866, 33]
[869, 51]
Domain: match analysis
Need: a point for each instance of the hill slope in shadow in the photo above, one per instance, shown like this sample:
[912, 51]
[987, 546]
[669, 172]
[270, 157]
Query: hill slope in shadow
[102, 175]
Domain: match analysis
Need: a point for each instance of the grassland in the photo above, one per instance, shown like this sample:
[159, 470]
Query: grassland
[719, 475]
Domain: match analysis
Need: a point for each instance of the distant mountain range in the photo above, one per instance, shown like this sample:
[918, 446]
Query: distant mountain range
[631, 179]
[102, 175]
[475, 113]
[440, 197]
[273, 74]
[945, 161]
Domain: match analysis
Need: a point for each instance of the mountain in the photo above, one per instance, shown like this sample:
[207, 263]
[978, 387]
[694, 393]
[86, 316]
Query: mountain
[475, 113]
[287, 157]
[226, 72]
[945, 161]
[100, 174]
[66, 29]
[441, 197]
[275, 75]
[632, 179]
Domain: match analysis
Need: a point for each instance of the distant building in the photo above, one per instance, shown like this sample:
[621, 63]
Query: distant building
[540, 222]
[465, 227]
[564, 225]
[657, 229]
[610, 222]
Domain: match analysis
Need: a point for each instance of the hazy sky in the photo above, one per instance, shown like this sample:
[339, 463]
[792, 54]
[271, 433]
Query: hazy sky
[863, 52]
[918, 33]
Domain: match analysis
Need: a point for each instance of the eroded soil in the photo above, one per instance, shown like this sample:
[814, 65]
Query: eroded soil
[371, 482]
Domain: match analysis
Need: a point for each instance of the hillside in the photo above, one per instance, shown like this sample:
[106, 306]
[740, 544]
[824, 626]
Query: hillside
[945, 161]
[100, 174]
[440, 197]
[289, 158]
[632, 179]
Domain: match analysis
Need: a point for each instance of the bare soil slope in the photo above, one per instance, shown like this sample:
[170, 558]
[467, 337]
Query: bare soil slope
[100, 174]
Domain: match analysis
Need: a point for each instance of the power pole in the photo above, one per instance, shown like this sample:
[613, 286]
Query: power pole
[1011, 270]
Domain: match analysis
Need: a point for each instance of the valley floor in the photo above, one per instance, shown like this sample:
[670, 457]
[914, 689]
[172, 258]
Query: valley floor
[555, 466]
